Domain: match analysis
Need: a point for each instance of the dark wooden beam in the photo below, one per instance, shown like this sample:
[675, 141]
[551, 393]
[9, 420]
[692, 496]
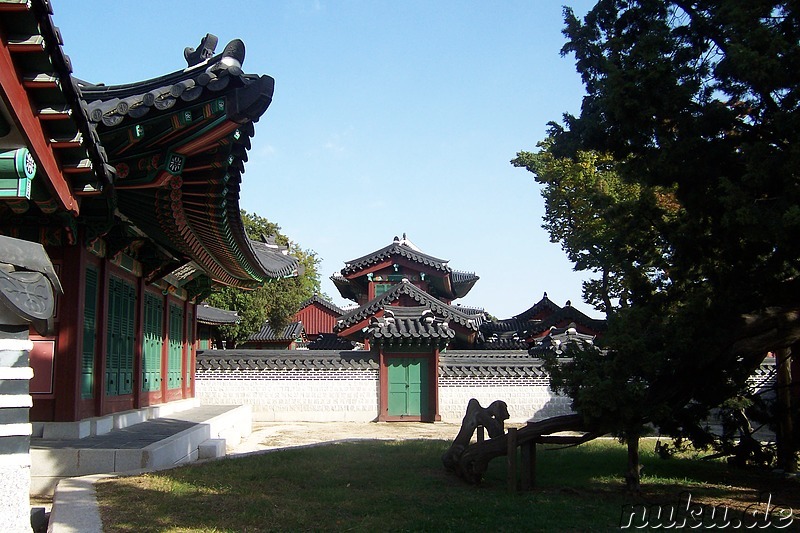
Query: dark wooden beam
[16, 100]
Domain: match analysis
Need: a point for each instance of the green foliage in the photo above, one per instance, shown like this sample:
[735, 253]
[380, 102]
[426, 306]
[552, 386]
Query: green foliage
[607, 226]
[277, 300]
[695, 103]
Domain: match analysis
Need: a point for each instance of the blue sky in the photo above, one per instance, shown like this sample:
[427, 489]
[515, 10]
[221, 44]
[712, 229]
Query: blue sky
[388, 117]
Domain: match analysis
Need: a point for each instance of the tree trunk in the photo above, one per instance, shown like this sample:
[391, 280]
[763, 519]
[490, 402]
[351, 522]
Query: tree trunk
[634, 468]
[784, 437]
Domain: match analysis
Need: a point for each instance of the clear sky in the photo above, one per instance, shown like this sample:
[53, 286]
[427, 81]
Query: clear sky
[389, 117]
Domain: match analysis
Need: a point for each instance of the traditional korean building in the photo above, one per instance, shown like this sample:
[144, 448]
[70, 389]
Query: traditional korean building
[405, 315]
[291, 337]
[525, 330]
[401, 275]
[209, 319]
[134, 192]
[318, 316]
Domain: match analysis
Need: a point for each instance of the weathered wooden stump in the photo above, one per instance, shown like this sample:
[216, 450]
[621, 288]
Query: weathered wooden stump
[492, 418]
[470, 461]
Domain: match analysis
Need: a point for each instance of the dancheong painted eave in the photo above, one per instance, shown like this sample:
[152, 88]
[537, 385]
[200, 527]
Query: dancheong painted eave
[178, 144]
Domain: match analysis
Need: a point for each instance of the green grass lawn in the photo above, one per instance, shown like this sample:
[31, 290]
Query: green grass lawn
[402, 486]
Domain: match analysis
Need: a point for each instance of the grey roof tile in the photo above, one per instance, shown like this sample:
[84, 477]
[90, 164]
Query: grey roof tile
[323, 302]
[409, 323]
[214, 316]
[383, 301]
[291, 332]
[399, 249]
[276, 263]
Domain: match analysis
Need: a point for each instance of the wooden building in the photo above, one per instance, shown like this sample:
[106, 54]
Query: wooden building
[401, 275]
[318, 316]
[525, 330]
[134, 192]
[405, 315]
[291, 337]
[209, 319]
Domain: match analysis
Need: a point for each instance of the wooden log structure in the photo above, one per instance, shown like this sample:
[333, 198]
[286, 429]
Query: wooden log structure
[470, 461]
[492, 418]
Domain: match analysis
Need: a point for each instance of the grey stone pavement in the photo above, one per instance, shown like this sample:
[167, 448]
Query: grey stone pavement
[139, 435]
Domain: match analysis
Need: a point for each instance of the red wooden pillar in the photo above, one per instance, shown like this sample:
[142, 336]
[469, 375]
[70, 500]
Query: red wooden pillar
[433, 394]
[383, 387]
[69, 342]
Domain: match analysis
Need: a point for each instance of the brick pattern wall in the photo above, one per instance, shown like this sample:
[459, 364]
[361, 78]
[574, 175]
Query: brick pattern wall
[526, 398]
[295, 395]
[347, 395]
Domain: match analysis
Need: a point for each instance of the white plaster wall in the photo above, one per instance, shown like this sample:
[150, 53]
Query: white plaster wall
[296, 400]
[531, 402]
[353, 396]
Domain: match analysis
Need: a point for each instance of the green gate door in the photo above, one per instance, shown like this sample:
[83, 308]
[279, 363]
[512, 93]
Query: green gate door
[408, 386]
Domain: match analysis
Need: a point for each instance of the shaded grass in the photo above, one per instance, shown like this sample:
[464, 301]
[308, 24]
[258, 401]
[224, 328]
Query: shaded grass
[402, 486]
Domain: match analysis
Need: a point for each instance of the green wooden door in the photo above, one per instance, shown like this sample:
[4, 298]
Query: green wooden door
[89, 333]
[175, 347]
[153, 342]
[120, 336]
[407, 386]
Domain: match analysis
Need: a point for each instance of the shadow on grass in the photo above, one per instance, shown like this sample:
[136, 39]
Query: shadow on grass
[387, 486]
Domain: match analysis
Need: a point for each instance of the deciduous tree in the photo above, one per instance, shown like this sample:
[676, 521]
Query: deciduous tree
[277, 300]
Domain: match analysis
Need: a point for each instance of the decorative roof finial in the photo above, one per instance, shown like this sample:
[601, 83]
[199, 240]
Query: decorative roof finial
[205, 50]
[404, 235]
[233, 54]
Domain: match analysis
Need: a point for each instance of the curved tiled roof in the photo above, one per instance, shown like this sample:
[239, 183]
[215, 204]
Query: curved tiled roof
[462, 282]
[440, 309]
[399, 249]
[558, 339]
[179, 143]
[563, 314]
[44, 71]
[330, 341]
[233, 360]
[291, 332]
[543, 305]
[417, 324]
[274, 262]
[214, 316]
[330, 306]
[507, 340]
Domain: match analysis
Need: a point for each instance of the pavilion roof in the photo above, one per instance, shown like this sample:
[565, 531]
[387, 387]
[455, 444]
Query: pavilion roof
[398, 248]
[440, 309]
[417, 325]
[443, 280]
[266, 333]
[179, 143]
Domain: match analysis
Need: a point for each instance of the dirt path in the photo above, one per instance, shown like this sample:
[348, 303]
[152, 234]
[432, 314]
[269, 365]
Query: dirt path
[271, 435]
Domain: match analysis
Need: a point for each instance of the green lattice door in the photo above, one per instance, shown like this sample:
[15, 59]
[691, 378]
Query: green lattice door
[153, 342]
[89, 333]
[408, 386]
[120, 326]
[175, 348]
